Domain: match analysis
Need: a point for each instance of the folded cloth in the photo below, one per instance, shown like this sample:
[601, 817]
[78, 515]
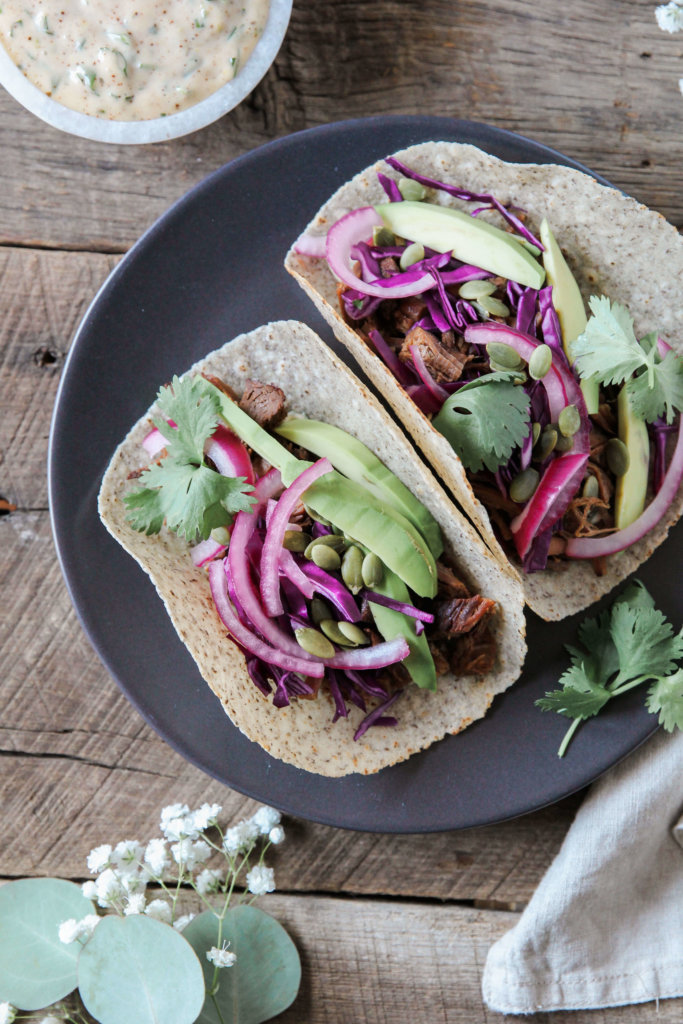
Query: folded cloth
[605, 926]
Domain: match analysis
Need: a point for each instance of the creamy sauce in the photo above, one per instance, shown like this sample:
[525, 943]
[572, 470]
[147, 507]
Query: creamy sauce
[130, 60]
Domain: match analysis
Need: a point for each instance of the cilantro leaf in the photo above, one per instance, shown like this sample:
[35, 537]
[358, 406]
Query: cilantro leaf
[665, 697]
[181, 489]
[664, 395]
[485, 421]
[608, 348]
[630, 644]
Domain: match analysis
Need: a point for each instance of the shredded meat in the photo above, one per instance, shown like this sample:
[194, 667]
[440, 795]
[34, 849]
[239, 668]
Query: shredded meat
[265, 403]
[407, 312]
[442, 363]
[604, 481]
[588, 517]
[221, 385]
[449, 584]
[491, 498]
[462, 614]
[388, 266]
[475, 653]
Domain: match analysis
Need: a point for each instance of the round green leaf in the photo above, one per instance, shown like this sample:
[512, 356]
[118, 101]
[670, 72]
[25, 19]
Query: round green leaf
[36, 969]
[138, 969]
[265, 978]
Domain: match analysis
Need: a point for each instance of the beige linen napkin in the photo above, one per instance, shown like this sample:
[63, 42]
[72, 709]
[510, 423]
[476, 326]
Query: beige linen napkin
[605, 926]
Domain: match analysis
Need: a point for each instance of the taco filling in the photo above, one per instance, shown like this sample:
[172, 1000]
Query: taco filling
[569, 427]
[323, 567]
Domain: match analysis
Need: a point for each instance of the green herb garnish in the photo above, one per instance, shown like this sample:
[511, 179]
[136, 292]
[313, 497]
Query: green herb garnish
[609, 351]
[181, 488]
[630, 644]
[485, 420]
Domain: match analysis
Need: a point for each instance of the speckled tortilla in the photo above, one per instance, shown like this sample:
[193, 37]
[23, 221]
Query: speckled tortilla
[318, 385]
[614, 245]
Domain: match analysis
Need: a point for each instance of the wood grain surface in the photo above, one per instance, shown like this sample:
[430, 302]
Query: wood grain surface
[391, 928]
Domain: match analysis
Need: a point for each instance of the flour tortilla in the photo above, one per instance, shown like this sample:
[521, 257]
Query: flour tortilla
[318, 385]
[614, 246]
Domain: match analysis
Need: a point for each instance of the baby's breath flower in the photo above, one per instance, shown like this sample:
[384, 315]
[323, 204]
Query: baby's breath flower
[260, 880]
[183, 921]
[206, 815]
[109, 888]
[7, 1013]
[99, 859]
[72, 930]
[171, 812]
[179, 828]
[190, 854]
[241, 836]
[221, 957]
[276, 835]
[670, 17]
[51, 1019]
[89, 890]
[127, 855]
[156, 856]
[160, 910]
[208, 880]
[265, 819]
[134, 882]
[135, 904]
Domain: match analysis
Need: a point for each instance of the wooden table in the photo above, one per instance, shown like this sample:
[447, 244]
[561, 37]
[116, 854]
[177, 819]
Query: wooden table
[390, 929]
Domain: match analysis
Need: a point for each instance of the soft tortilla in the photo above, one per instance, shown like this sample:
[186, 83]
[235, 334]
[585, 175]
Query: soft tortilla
[614, 245]
[318, 385]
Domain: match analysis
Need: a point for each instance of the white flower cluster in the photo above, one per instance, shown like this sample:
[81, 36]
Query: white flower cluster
[242, 836]
[7, 1013]
[260, 880]
[221, 957]
[670, 17]
[73, 930]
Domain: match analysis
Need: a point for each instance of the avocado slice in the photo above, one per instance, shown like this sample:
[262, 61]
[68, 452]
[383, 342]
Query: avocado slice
[352, 458]
[631, 489]
[569, 306]
[469, 239]
[391, 624]
[349, 506]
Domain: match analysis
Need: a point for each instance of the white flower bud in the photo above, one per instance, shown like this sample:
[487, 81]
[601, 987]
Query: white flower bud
[7, 1013]
[156, 857]
[205, 816]
[221, 957]
[208, 880]
[260, 880]
[89, 890]
[181, 922]
[265, 819]
[160, 910]
[69, 931]
[277, 835]
[135, 904]
[241, 837]
[109, 888]
[99, 859]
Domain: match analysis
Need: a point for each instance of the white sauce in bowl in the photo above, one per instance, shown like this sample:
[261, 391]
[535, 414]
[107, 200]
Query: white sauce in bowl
[130, 60]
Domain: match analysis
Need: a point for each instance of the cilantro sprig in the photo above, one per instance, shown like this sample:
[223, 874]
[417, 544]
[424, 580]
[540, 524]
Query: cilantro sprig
[628, 645]
[181, 488]
[609, 351]
[485, 420]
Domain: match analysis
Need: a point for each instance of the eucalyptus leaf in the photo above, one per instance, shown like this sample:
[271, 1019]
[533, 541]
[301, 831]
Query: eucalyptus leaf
[266, 976]
[36, 969]
[136, 969]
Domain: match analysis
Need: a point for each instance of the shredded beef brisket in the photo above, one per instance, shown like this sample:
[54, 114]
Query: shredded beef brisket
[461, 614]
[442, 363]
[265, 403]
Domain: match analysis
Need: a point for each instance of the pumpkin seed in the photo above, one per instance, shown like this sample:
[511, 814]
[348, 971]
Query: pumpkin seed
[325, 557]
[328, 540]
[591, 487]
[545, 444]
[221, 535]
[504, 355]
[476, 289]
[354, 634]
[617, 455]
[411, 254]
[296, 540]
[351, 569]
[569, 420]
[331, 630]
[383, 236]
[540, 362]
[314, 642]
[524, 485]
[315, 517]
[493, 306]
[564, 444]
[411, 190]
[320, 610]
[372, 570]
[535, 432]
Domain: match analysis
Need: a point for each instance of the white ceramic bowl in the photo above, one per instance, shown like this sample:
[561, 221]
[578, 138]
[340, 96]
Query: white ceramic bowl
[158, 129]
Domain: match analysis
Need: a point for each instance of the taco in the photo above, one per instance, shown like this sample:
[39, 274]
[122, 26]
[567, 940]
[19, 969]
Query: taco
[459, 283]
[346, 618]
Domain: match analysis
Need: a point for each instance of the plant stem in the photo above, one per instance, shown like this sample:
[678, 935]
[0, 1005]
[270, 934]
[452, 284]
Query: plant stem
[568, 737]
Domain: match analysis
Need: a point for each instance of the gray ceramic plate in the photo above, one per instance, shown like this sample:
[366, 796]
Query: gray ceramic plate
[209, 269]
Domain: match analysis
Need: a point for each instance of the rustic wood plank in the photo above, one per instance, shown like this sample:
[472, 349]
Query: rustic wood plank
[596, 81]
